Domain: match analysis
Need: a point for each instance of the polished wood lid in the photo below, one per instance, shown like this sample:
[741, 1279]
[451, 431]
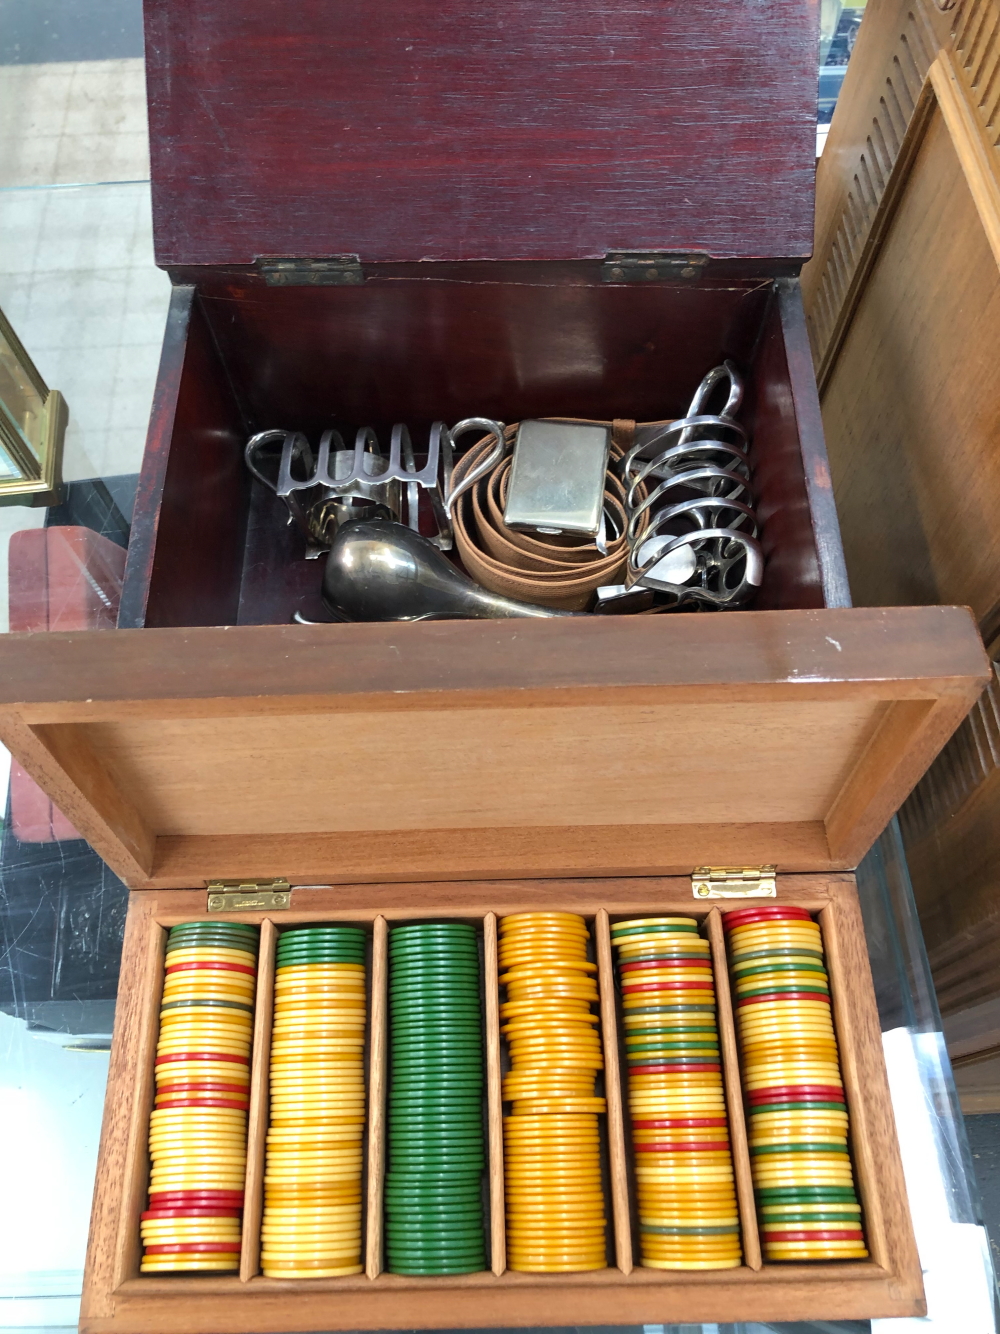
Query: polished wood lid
[461, 750]
[429, 129]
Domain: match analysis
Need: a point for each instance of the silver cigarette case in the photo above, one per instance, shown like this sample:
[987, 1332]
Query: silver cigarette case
[557, 477]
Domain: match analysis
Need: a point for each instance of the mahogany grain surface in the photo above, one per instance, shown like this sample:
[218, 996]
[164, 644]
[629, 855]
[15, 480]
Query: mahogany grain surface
[507, 341]
[791, 475]
[152, 477]
[193, 494]
[426, 129]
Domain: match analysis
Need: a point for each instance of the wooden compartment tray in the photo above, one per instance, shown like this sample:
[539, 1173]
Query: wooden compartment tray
[117, 1298]
[469, 769]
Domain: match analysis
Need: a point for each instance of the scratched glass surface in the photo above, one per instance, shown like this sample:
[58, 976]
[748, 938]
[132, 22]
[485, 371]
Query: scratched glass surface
[78, 283]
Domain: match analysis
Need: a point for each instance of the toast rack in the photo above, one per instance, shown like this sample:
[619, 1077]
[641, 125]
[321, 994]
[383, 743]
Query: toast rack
[700, 545]
[337, 484]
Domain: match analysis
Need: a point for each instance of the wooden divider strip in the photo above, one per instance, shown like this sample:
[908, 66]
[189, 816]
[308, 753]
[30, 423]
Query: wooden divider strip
[132, 1076]
[494, 1119]
[855, 1049]
[734, 1092]
[376, 1097]
[260, 1103]
[613, 1093]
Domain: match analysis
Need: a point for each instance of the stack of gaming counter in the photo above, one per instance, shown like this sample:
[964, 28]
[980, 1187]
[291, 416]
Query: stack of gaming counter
[688, 1217]
[790, 1068]
[434, 1185]
[556, 1154]
[312, 1182]
[198, 1127]
[552, 1154]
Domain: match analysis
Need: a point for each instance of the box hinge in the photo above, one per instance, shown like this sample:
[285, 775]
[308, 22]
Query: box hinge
[338, 271]
[652, 266]
[248, 895]
[734, 882]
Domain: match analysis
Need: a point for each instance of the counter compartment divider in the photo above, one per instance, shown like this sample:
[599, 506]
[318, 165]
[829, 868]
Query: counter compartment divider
[847, 966]
[620, 1211]
[376, 1097]
[491, 985]
[732, 1083]
[258, 1117]
[138, 1021]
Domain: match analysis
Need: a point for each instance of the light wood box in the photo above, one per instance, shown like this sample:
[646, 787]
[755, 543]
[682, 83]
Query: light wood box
[389, 774]
[902, 300]
[117, 1298]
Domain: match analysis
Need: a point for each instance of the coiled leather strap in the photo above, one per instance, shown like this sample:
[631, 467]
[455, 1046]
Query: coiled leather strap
[560, 571]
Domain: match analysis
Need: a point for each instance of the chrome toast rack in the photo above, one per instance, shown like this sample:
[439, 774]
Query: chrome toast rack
[324, 490]
[700, 544]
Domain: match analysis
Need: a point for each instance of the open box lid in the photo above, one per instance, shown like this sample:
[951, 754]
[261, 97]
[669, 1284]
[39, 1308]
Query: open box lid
[427, 129]
[470, 750]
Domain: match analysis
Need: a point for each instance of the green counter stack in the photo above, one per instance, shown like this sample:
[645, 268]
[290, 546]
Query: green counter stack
[433, 1189]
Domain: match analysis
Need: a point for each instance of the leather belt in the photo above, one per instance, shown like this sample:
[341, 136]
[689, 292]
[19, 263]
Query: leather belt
[559, 571]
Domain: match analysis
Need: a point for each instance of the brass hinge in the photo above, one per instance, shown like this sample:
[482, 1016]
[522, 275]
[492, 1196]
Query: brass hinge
[651, 266]
[734, 882]
[249, 895]
[339, 271]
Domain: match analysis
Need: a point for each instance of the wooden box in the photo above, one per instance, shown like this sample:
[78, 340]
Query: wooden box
[467, 770]
[525, 211]
[430, 212]
[903, 307]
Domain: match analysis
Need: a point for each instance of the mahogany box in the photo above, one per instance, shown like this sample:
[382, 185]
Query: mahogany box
[419, 211]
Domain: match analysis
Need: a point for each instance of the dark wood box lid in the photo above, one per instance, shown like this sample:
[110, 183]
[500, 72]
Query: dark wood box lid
[520, 130]
[470, 750]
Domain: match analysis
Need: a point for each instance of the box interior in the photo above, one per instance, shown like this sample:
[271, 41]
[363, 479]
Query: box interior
[379, 1072]
[418, 343]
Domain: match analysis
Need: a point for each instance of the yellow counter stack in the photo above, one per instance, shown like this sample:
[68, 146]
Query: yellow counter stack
[198, 1127]
[554, 1199]
[312, 1183]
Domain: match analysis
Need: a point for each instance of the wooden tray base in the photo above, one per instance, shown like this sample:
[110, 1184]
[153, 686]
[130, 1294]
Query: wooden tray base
[117, 1298]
